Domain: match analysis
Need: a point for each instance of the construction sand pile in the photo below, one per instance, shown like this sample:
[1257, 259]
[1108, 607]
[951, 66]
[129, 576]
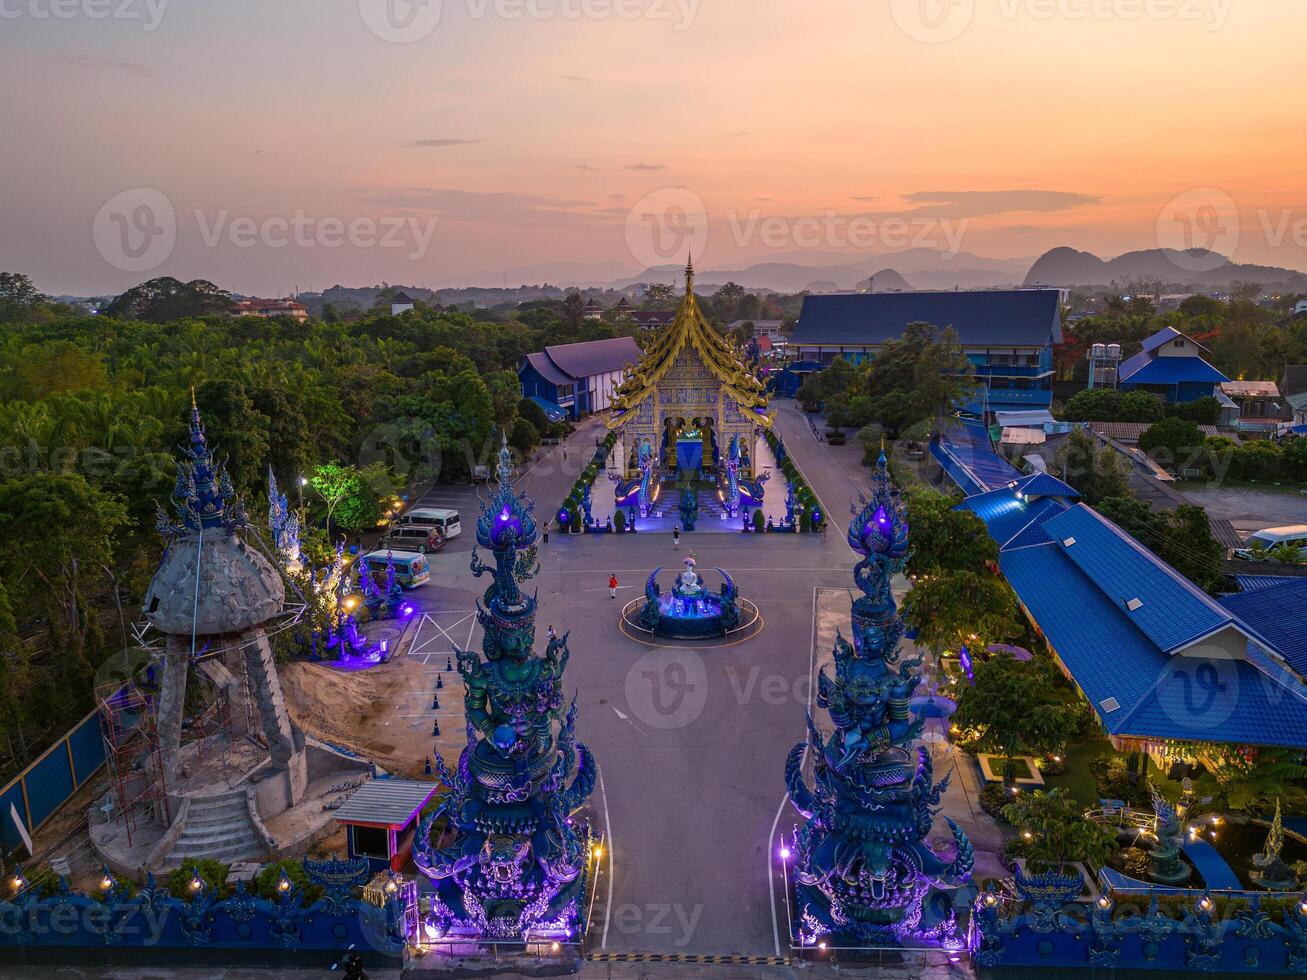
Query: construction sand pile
[383, 713]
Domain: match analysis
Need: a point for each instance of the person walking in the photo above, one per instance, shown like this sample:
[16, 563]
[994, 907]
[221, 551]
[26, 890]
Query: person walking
[612, 586]
[676, 536]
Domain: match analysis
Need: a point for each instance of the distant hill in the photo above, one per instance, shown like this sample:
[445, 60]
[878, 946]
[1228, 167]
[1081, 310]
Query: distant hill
[1196, 267]
[928, 268]
[886, 281]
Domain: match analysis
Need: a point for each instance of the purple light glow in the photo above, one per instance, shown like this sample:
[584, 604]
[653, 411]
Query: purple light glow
[785, 853]
[407, 610]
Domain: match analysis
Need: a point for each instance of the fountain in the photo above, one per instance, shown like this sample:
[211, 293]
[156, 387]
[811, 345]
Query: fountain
[690, 611]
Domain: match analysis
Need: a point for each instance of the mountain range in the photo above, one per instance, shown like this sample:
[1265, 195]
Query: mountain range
[1194, 267]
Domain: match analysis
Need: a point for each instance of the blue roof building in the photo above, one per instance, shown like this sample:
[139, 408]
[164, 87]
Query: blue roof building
[1156, 657]
[576, 379]
[1170, 365]
[1007, 334]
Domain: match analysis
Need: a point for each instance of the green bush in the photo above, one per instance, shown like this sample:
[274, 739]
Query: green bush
[619, 521]
[212, 873]
[268, 880]
[759, 522]
[993, 798]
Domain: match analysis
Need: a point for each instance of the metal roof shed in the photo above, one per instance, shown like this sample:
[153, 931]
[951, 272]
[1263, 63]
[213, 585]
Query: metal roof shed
[380, 820]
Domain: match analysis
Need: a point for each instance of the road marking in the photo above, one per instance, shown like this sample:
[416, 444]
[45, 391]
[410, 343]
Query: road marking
[771, 837]
[627, 720]
[729, 960]
[608, 841]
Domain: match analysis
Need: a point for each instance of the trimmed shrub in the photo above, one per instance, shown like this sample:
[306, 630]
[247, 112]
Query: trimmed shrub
[267, 881]
[619, 521]
[993, 798]
[759, 522]
[212, 873]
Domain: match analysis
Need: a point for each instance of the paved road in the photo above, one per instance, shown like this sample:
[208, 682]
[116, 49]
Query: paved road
[692, 744]
[1249, 509]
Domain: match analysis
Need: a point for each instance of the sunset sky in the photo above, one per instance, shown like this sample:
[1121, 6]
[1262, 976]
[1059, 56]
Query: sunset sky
[1003, 128]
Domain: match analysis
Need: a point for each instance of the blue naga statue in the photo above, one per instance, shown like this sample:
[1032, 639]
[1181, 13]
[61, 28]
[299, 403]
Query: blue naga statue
[862, 868]
[732, 495]
[517, 867]
[646, 461]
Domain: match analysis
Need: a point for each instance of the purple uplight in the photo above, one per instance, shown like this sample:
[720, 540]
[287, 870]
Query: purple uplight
[785, 853]
[407, 610]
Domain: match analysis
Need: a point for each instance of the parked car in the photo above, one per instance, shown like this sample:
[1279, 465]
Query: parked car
[413, 537]
[1270, 537]
[411, 569]
[441, 518]
[481, 474]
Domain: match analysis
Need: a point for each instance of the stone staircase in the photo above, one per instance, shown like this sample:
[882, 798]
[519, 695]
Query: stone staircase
[217, 827]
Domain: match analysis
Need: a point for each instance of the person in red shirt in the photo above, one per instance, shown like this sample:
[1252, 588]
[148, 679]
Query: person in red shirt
[612, 586]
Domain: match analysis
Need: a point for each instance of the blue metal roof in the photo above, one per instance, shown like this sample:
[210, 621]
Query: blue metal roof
[1044, 485]
[1172, 612]
[548, 370]
[1136, 687]
[591, 357]
[553, 412]
[1221, 700]
[1251, 583]
[1007, 399]
[1278, 613]
[964, 452]
[1107, 654]
[1142, 369]
[1011, 521]
[995, 318]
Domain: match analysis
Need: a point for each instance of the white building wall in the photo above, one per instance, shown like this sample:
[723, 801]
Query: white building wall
[1179, 347]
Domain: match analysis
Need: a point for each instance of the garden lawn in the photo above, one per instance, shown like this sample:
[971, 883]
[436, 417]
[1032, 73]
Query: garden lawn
[1078, 781]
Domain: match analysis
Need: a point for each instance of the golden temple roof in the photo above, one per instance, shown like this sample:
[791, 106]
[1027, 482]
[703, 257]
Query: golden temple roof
[690, 328]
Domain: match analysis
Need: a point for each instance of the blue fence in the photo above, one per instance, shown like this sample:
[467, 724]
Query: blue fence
[45, 785]
[34, 927]
[1199, 934]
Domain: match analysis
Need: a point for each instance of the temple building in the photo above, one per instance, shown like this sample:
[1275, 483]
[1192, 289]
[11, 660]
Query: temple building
[689, 400]
[577, 379]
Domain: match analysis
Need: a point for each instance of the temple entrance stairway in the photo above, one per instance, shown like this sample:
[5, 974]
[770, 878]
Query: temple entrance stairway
[217, 827]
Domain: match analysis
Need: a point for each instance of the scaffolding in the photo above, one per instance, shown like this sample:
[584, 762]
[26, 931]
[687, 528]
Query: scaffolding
[132, 756]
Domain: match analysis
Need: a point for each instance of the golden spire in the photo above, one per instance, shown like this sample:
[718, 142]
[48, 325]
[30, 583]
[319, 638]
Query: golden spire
[689, 274]
[193, 405]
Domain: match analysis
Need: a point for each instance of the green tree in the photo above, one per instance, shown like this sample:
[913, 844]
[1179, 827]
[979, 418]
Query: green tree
[1174, 443]
[1055, 833]
[944, 538]
[572, 307]
[950, 609]
[532, 412]
[164, 299]
[658, 296]
[524, 437]
[18, 297]
[1094, 470]
[57, 536]
[343, 488]
[1017, 709]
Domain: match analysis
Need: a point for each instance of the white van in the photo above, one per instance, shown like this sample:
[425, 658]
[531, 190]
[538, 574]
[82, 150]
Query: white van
[441, 518]
[1271, 536]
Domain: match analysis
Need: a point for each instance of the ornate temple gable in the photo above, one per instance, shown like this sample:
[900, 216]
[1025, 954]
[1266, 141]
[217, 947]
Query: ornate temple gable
[687, 357]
